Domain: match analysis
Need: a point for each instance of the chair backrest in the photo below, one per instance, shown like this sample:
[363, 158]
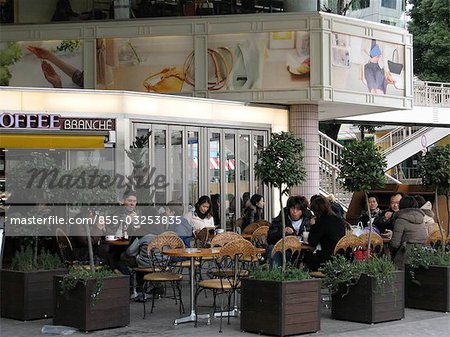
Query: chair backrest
[347, 244]
[251, 228]
[434, 239]
[376, 242]
[259, 236]
[169, 233]
[293, 246]
[222, 239]
[202, 238]
[262, 222]
[65, 247]
[155, 248]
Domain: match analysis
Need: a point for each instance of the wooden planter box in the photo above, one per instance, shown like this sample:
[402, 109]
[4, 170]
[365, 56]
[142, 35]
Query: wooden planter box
[280, 308]
[430, 289]
[27, 295]
[110, 309]
[365, 304]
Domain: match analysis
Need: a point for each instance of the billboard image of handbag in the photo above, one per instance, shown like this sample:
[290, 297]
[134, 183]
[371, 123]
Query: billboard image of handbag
[394, 66]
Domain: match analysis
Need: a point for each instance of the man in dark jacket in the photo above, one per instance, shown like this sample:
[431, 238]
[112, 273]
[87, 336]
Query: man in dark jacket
[385, 221]
[297, 217]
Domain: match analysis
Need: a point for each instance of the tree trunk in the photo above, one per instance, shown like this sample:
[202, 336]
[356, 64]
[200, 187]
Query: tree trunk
[283, 227]
[441, 231]
[370, 223]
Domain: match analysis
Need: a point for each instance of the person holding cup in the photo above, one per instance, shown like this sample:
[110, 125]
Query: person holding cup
[297, 217]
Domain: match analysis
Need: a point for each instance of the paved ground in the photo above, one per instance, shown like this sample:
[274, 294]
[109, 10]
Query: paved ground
[160, 323]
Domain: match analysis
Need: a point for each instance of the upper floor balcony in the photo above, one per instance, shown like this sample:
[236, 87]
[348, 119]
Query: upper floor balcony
[431, 94]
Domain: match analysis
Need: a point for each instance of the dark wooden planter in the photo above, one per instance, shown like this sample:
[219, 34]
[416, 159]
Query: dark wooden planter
[110, 309]
[365, 304]
[280, 308]
[27, 295]
[429, 290]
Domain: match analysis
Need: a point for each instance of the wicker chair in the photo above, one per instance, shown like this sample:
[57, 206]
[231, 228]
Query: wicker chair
[202, 238]
[262, 223]
[434, 239]
[259, 236]
[222, 239]
[292, 245]
[231, 269]
[376, 242]
[65, 247]
[251, 228]
[162, 270]
[347, 245]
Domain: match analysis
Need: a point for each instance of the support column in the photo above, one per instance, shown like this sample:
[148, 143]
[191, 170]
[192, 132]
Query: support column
[304, 123]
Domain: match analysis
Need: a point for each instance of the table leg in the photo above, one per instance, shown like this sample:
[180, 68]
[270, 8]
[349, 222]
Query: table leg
[193, 316]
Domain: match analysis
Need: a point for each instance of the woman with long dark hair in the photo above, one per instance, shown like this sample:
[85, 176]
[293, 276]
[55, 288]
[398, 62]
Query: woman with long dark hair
[253, 210]
[201, 216]
[326, 231]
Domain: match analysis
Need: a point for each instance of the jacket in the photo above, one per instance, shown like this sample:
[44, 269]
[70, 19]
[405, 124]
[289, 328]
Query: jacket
[409, 227]
[275, 232]
[430, 223]
[251, 214]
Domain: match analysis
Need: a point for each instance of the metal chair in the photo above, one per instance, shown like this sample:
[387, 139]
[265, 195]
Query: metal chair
[65, 247]
[230, 270]
[162, 270]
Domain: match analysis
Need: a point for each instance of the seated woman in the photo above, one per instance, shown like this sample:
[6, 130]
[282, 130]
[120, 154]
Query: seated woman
[201, 216]
[409, 230]
[375, 211]
[326, 232]
[253, 210]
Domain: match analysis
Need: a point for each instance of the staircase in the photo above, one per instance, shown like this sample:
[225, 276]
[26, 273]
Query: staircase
[329, 171]
[403, 142]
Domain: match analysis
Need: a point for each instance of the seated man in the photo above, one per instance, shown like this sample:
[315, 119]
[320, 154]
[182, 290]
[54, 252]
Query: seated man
[385, 221]
[297, 220]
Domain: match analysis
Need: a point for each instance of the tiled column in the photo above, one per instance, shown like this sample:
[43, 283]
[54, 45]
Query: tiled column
[304, 123]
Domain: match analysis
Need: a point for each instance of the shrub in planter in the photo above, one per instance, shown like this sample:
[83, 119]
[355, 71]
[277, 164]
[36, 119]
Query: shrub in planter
[280, 303]
[427, 280]
[91, 300]
[27, 287]
[368, 291]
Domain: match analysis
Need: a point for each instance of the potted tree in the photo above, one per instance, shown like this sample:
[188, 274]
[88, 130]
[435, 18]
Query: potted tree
[362, 168]
[427, 280]
[26, 282]
[281, 301]
[91, 298]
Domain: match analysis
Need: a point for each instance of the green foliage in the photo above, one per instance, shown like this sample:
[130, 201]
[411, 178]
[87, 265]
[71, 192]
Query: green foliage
[281, 162]
[69, 45]
[431, 43]
[99, 192]
[434, 169]
[362, 166]
[291, 273]
[341, 272]
[24, 261]
[8, 56]
[80, 274]
[424, 257]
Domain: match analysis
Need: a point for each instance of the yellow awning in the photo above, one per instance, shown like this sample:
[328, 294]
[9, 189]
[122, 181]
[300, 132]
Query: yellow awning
[48, 141]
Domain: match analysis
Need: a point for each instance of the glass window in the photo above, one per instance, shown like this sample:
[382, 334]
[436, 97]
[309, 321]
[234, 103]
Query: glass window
[192, 168]
[230, 178]
[160, 155]
[389, 4]
[176, 165]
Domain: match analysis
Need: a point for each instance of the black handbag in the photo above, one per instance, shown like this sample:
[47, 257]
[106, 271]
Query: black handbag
[394, 66]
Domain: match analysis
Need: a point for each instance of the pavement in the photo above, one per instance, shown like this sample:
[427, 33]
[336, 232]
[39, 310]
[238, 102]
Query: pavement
[160, 323]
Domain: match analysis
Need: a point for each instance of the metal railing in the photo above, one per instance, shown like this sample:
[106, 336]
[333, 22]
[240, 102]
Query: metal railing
[329, 171]
[431, 94]
[397, 136]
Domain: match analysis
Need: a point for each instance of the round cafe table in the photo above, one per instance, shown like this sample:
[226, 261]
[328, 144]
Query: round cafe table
[192, 254]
